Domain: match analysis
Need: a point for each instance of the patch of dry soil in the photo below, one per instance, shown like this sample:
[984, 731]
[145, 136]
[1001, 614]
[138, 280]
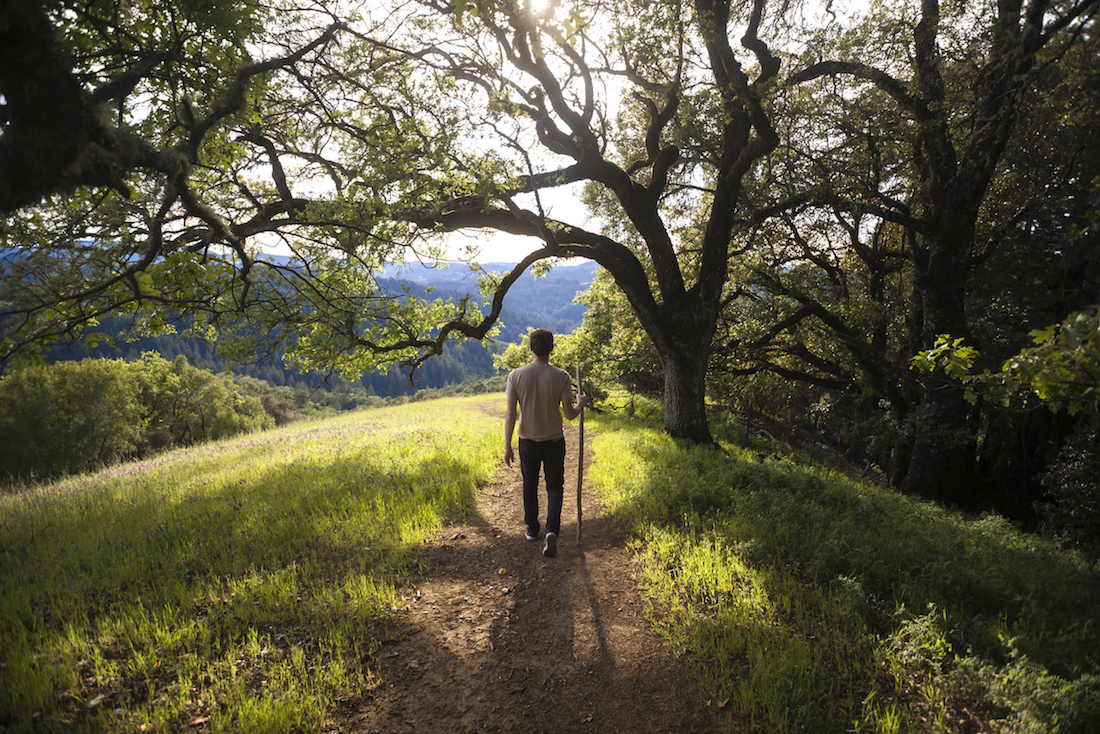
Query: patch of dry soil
[496, 638]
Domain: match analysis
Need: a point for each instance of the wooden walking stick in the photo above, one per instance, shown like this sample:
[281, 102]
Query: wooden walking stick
[580, 459]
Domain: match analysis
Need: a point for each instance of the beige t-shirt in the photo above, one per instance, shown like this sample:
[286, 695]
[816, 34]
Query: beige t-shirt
[541, 390]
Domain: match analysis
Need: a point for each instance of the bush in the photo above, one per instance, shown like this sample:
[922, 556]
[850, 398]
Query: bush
[279, 410]
[74, 416]
[1071, 514]
[68, 417]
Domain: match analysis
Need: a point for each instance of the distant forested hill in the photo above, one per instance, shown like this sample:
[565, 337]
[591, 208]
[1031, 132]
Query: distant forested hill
[543, 302]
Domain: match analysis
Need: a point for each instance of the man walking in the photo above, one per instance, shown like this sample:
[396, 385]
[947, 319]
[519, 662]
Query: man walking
[542, 393]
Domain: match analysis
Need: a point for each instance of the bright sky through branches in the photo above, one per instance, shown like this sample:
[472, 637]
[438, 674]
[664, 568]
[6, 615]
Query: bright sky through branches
[565, 203]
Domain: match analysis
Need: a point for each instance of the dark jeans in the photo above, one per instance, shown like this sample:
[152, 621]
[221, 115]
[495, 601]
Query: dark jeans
[550, 455]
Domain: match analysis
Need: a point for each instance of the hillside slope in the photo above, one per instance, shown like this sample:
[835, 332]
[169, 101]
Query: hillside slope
[369, 573]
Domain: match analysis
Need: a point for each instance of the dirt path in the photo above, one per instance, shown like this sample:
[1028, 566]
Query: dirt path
[496, 638]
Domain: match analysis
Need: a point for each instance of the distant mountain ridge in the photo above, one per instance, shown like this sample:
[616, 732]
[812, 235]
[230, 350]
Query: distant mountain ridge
[545, 302]
[459, 273]
[542, 302]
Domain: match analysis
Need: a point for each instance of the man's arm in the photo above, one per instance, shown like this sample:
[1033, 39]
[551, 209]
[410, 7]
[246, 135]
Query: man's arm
[510, 429]
[572, 412]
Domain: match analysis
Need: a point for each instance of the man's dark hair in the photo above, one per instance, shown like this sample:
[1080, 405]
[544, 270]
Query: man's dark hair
[542, 342]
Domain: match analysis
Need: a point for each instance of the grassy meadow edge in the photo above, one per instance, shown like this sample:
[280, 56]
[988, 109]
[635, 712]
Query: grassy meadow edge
[806, 599]
[245, 585]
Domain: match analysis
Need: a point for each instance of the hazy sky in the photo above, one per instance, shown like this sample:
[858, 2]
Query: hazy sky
[563, 204]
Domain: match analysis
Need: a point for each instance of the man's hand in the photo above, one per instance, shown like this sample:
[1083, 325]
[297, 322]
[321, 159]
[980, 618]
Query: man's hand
[571, 411]
[509, 457]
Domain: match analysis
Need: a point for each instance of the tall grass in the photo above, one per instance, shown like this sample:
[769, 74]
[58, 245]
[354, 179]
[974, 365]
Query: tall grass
[808, 601]
[242, 585]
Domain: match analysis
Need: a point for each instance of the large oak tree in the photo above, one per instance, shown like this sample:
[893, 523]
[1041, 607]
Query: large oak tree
[432, 118]
[151, 148]
[926, 98]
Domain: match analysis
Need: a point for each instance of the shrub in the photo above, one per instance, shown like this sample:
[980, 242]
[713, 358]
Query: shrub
[68, 417]
[279, 410]
[73, 416]
[1071, 515]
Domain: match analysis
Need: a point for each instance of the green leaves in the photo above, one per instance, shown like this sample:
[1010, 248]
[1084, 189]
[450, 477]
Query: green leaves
[949, 354]
[574, 24]
[1062, 369]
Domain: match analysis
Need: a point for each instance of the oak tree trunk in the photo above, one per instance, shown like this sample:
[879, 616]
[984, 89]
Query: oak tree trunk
[942, 465]
[685, 395]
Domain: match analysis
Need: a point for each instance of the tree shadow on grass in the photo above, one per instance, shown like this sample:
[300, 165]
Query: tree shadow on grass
[264, 559]
[994, 581]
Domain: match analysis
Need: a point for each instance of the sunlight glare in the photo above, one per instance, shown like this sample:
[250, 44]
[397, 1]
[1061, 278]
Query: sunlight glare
[542, 7]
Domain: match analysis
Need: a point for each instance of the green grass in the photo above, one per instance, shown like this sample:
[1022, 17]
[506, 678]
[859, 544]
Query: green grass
[807, 601]
[245, 585]
[246, 581]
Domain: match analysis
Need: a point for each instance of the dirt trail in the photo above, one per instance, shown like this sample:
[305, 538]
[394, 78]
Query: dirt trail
[551, 645]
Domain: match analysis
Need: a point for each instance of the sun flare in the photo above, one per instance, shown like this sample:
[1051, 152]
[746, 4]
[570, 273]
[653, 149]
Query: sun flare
[542, 7]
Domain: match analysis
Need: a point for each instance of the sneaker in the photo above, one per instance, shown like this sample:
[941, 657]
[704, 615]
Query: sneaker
[529, 536]
[551, 548]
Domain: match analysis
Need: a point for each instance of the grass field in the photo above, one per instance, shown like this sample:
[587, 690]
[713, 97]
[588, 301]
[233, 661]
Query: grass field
[244, 585]
[809, 601]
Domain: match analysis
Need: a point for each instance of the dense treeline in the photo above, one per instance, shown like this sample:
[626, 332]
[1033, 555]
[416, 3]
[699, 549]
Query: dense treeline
[464, 362]
[1037, 458]
[72, 416]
